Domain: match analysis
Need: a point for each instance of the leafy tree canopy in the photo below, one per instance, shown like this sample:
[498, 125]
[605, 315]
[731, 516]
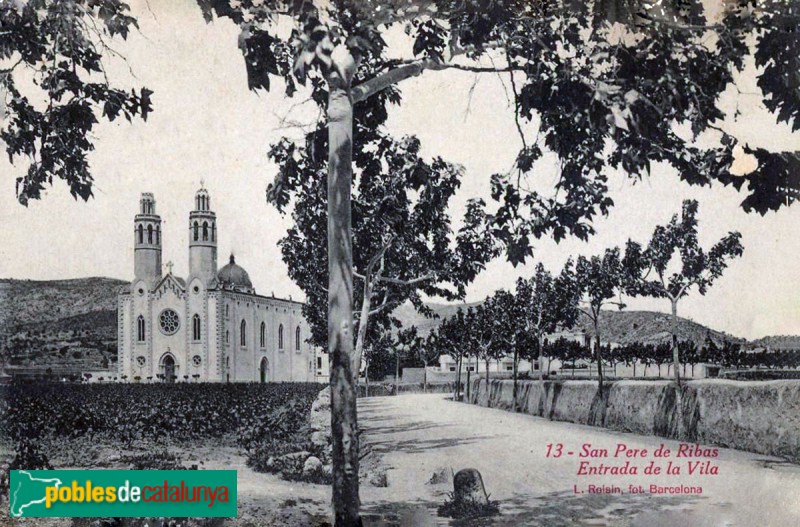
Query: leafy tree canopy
[608, 82]
[54, 89]
[648, 269]
[403, 237]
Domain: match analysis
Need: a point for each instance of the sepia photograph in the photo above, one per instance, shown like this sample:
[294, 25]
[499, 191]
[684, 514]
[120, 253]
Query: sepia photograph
[392, 263]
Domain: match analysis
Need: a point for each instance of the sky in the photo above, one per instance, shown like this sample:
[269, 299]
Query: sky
[207, 126]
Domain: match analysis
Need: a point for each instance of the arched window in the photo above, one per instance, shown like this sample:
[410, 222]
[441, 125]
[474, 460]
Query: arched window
[141, 233]
[196, 327]
[297, 339]
[227, 336]
[205, 231]
[158, 235]
[280, 337]
[243, 333]
[213, 232]
[195, 228]
[149, 234]
[263, 335]
[228, 310]
[140, 334]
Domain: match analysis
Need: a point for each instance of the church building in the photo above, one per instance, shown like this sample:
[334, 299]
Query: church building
[210, 326]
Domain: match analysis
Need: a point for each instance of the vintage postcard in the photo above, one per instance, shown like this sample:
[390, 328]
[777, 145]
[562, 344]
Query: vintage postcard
[399, 263]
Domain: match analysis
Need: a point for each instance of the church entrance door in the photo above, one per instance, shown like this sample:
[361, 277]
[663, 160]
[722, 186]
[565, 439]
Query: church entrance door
[264, 369]
[169, 369]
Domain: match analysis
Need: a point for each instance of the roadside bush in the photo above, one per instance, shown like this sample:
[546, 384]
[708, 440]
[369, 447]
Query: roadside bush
[467, 509]
[158, 460]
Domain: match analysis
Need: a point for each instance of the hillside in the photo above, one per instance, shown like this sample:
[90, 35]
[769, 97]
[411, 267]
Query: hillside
[30, 301]
[61, 325]
[622, 327]
[410, 317]
[649, 327]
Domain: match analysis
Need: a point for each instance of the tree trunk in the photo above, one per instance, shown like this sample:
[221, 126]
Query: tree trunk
[514, 392]
[344, 419]
[458, 378]
[676, 359]
[366, 305]
[366, 379]
[598, 355]
[541, 361]
[634, 369]
[425, 377]
[488, 398]
[396, 374]
[467, 388]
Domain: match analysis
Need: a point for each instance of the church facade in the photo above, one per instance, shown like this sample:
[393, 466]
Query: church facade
[210, 326]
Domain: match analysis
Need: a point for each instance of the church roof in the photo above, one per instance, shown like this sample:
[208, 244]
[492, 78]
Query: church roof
[234, 276]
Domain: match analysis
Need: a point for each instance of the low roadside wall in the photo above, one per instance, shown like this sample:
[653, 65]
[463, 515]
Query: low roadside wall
[385, 389]
[756, 416]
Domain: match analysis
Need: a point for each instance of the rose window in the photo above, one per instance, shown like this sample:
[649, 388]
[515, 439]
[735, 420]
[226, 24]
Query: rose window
[169, 321]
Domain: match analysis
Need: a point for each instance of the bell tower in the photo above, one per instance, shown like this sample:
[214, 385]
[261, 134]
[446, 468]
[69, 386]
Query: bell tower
[147, 241]
[202, 238]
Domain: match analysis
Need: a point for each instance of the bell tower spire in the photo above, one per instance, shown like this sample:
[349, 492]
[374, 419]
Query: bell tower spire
[202, 238]
[147, 241]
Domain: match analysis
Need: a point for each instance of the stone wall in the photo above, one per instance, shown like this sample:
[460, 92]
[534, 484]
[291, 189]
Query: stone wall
[757, 416]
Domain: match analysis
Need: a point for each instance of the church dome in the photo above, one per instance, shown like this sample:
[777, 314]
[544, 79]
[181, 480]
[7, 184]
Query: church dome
[233, 276]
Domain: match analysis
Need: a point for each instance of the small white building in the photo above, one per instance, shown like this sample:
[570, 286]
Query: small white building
[503, 365]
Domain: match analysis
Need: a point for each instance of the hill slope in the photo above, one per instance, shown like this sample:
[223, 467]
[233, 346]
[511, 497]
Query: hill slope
[30, 301]
[650, 327]
[622, 327]
[59, 324]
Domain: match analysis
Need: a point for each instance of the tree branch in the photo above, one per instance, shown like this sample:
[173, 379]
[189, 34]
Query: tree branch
[377, 84]
[386, 304]
[12, 68]
[412, 281]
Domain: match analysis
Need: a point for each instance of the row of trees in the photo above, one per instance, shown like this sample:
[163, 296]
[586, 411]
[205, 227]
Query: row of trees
[639, 355]
[727, 354]
[516, 323]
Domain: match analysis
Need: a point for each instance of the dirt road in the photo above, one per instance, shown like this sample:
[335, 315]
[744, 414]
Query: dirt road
[418, 434]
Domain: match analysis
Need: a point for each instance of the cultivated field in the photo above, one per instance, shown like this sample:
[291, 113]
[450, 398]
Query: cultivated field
[203, 426]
